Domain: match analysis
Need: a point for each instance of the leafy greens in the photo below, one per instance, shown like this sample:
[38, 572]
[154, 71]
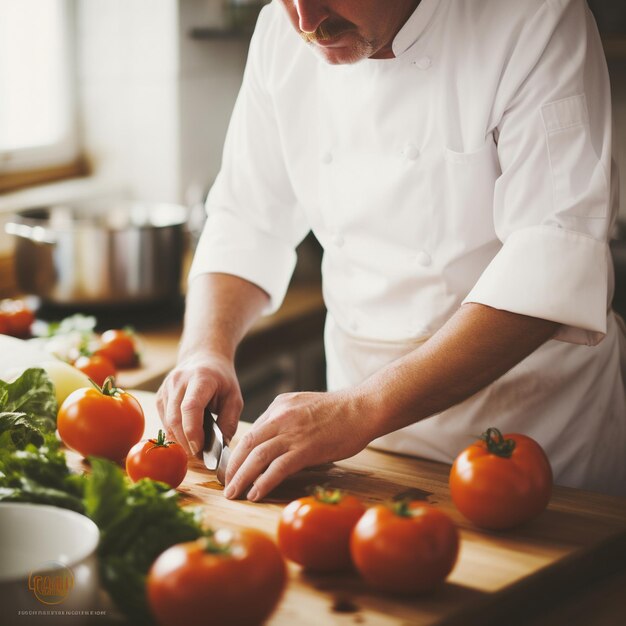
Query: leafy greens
[32, 466]
[137, 521]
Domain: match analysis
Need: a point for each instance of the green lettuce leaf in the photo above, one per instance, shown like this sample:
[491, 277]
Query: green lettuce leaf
[137, 522]
[38, 474]
[32, 393]
[21, 430]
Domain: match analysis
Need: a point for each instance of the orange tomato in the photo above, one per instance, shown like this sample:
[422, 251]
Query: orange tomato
[315, 531]
[104, 422]
[119, 347]
[232, 577]
[157, 459]
[405, 548]
[17, 317]
[501, 481]
[97, 367]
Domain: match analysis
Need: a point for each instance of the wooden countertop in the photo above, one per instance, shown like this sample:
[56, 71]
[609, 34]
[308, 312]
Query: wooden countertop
[301, 316]
[568, 566]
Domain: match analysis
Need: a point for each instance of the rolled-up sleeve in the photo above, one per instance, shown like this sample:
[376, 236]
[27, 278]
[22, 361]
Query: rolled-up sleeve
[254, 221]
[553, 202]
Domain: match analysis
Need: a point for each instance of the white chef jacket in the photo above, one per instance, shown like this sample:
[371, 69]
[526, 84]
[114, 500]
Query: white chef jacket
[475, 166]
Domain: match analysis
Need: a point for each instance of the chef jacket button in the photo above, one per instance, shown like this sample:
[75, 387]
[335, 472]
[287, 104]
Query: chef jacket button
[411, 152]
[423, 258]
[423, 63]
[338, 240]
[327, 158]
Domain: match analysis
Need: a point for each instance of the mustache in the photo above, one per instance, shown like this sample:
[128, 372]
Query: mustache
[328, 30]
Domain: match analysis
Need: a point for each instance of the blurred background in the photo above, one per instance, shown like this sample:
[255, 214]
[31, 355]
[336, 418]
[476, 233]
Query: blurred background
[112, 107]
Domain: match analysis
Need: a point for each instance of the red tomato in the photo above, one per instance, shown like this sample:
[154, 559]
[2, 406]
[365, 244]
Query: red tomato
[234, 578]
[4, 324]
[405, 548]
[103, 422]
[157, 459]
[501, 481]
[18, 318]
[315, 531]
[97, 367]
[119, 346]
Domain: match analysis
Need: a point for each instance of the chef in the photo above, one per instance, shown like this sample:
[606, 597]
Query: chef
[454, 161]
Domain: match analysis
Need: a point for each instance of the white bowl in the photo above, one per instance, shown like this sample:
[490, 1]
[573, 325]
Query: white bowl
[48, 565]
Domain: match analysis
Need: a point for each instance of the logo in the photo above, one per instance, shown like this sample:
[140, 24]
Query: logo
[51, 583]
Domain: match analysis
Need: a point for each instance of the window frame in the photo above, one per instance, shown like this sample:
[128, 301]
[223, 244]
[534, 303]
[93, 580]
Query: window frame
[32, 165]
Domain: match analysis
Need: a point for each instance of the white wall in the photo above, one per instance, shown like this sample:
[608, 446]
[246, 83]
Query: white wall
[156, 103]
[210, 75]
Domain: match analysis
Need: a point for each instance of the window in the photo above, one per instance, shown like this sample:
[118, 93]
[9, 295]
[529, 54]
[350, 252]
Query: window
[37, 93]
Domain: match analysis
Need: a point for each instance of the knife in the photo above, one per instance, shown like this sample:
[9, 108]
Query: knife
[215, 452]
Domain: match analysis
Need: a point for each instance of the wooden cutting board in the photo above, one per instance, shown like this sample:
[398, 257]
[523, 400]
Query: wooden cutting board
[499, 576]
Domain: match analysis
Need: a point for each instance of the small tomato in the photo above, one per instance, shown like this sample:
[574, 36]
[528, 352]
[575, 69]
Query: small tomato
[501, 481]
[104, 422]
[119, 347]
[96, 367]
[157, 459]
[315, 531]
[232, 577]
[405, 548]
[18, 318]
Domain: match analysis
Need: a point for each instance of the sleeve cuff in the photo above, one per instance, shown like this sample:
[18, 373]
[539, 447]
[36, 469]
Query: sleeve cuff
[230, 245]
[553, 274]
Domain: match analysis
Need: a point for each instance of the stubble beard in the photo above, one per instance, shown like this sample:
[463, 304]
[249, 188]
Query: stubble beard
[361, 48]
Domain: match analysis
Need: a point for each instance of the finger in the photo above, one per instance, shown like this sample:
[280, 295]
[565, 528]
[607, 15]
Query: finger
[166, 403]
[175, 432]
[279, 469]
[197, 395]
[173, 420]
[254, 437]
[229, 413]
[253, 466]
[163, 396]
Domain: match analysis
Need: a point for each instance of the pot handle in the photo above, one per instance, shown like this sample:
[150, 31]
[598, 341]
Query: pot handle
[36, 234]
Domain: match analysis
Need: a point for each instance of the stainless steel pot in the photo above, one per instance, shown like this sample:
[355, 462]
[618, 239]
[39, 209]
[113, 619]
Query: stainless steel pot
[97, 254]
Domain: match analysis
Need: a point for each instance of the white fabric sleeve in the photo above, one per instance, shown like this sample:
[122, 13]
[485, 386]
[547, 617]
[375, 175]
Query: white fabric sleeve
[553, 204]
[254, 221]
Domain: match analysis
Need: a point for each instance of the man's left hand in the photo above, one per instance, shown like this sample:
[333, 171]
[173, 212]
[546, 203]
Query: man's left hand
[296, 431]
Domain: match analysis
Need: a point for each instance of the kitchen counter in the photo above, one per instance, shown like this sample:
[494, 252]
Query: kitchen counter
[299, 319]
[568, 566]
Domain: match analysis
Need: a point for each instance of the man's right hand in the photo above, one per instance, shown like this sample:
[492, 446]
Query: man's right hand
[199, 382]
[219, 310]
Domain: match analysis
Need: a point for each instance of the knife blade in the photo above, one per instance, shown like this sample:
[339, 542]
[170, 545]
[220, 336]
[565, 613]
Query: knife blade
[215, 452]
[213, 442]
[223, 464]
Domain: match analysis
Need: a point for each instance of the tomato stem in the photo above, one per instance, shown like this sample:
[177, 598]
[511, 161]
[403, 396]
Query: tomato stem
[210, 546]
[160, 441]
[108, 387]
[402, 508]
[497, 444]
[325, 494]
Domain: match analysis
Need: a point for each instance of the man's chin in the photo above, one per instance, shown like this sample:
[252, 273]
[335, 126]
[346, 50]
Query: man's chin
[345, 55]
